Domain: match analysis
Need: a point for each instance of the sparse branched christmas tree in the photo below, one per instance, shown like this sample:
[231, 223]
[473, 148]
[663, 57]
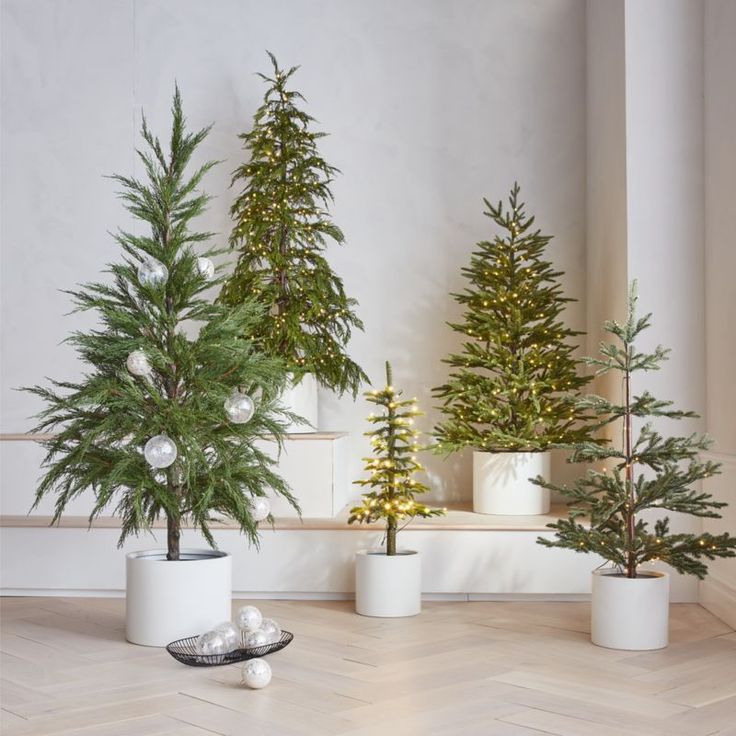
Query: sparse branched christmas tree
[513, 386]
[282, 228]
[158, 426]
[647, 472]
[393, 465]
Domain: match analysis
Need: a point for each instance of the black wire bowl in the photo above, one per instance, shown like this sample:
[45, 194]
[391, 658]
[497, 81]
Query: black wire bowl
[184, 651]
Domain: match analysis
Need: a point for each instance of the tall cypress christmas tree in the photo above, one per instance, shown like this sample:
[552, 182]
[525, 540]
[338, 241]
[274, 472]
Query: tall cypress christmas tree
[282, 228]
[512, 388]
[613, 500]
[161, 425]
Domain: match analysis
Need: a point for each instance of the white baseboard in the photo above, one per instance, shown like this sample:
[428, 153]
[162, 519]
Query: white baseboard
[718, 597]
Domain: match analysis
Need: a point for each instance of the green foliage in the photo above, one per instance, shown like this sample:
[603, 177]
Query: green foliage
[392, 466]
[104, 420]
[282, 228]
[513, 386]
[605, 505]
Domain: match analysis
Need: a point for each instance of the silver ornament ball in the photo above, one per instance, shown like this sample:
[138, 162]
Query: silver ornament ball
[137, 363]
[205, 267]
[271, 629]
[230, 635]
[256, 673]
[239, 407]
[260, 508]
[254, 639]
[211, 642]
[160, 451]
[249, 618]
[152, 272]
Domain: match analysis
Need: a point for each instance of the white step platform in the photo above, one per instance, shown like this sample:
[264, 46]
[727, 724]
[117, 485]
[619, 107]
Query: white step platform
[464, 556]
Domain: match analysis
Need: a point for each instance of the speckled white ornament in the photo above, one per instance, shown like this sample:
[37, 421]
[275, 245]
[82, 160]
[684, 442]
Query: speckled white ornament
[260, 508]
[205, 267]
[271, 629]
[137, 363]
[256, 673]
[239, 407]
[230, 634]
[160, 451]
[249, 618]
[152, 272]
[258, 638]
[211, 642]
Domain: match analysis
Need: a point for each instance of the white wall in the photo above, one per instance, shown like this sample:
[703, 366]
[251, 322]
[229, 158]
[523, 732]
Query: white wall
[431, 105]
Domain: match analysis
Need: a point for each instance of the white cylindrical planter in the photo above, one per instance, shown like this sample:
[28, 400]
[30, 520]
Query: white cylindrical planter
[501, 483]
[630, 613]
[388, 586]
[301, 399]
[165, 600]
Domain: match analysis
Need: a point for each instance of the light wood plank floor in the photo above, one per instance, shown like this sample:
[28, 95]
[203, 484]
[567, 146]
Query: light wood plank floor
[490, 669]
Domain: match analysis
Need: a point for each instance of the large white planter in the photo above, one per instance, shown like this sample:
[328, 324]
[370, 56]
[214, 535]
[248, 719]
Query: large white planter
[165, 601]
[501, 483]
[301, 399]
[630, 613]
[388, 586]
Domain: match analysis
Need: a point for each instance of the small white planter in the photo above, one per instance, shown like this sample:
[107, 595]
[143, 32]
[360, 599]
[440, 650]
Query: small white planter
[501, 483]
[630, 613]
[165, 601]
[302, 399]
[388, 586]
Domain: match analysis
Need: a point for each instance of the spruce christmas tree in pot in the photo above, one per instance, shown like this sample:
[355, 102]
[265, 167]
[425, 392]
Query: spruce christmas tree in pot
[389, 583]
[160, 425]
[611, 506]
[282, 227]
[510, 395]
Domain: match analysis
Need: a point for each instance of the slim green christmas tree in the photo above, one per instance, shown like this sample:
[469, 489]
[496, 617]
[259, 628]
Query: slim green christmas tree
[512, 387]
[615, 499]
[393, 465]
[282, 228]
[161, 425]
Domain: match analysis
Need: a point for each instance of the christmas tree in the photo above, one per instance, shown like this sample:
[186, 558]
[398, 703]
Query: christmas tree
[282, 228]
[161, 425]
[615, 499]
[512, 387]
[392, 466]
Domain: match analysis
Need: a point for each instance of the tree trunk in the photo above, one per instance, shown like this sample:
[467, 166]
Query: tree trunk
[630, 520]
[173, 536]
[391, 537]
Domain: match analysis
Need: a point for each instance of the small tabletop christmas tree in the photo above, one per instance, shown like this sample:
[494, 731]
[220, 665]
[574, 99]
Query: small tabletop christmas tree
[511, 389]
[615, 499]
[161, 425]
[392, 466]
[282, 227]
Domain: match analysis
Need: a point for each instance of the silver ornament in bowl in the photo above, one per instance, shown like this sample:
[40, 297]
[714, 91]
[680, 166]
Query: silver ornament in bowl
[248, 618]
[271, 629]
[209, 643]
[257, 638]
[230, 634]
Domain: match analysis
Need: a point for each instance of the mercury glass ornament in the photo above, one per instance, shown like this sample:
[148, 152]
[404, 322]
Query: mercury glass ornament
[258, 638]
[205, 267]
[271, 629]
[260, 508]
[239, 407]
[230, 634]
[211, 642]
[249, 618]
[160, 451]
[256, 673]
[137, 363]
[152, 272]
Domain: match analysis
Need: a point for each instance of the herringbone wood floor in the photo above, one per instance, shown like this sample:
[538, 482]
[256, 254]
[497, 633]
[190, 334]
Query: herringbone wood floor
[490, 669]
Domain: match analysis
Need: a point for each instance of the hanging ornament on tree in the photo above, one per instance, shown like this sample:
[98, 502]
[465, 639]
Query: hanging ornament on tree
[211, 642]
[258, 638]
[239, 407]
[152, 272]
[205, 267]
[256, 673]
[271, 629]
[249, 618]
[137, 363]
[230, 635]
[160, 451]
[260, 508]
